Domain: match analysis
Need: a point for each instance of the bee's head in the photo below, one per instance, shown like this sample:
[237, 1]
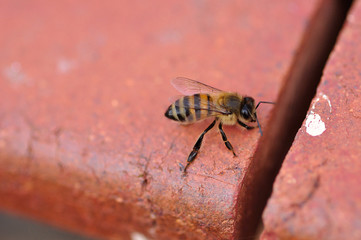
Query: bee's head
[248, 110]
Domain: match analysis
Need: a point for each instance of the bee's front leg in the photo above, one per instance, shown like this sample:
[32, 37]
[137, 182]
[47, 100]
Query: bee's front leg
[244, 125]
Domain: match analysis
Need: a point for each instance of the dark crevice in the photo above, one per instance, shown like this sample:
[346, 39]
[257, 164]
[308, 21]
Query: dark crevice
[294, 99]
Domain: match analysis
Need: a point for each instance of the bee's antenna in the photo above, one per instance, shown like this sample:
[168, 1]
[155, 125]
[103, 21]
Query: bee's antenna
[259, 125]
[264, 102]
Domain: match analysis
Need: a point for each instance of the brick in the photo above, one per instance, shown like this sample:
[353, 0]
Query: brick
[316, 195]
[84, 143]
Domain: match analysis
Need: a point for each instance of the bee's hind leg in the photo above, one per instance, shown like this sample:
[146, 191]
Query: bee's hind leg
[197, 146]
[225, 140]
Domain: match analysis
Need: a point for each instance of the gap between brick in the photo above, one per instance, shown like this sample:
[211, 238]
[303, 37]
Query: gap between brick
[299, 88]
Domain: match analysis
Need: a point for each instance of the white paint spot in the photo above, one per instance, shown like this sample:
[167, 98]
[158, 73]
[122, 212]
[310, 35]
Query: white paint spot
[314, 125]
[138, 236]
[323, 96]
[65, 65]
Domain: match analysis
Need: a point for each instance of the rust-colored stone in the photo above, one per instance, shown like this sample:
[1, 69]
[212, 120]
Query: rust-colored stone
[317, 193]
[84, 143]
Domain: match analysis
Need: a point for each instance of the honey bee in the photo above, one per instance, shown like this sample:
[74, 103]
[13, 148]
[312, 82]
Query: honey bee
[202, 101]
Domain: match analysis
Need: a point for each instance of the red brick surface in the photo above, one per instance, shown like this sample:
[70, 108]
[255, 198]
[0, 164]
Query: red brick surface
[317, 193]
[84, 85]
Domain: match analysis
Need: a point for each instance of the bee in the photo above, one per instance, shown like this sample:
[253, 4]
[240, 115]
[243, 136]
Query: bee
[202, 101]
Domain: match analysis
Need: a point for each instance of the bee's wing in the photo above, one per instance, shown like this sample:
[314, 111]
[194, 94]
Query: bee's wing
[188, 86]
[207, 106]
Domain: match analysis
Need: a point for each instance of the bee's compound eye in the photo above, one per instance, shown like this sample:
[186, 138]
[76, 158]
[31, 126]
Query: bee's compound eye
[245, 113]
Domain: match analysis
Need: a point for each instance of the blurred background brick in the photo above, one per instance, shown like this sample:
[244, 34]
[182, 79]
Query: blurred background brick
[317, 193]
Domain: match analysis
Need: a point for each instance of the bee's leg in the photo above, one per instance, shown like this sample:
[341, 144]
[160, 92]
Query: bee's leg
[244, 125]
[198, 144]
[225, 140]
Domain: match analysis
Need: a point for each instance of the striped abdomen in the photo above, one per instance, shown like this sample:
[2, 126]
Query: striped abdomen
[190, 109]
